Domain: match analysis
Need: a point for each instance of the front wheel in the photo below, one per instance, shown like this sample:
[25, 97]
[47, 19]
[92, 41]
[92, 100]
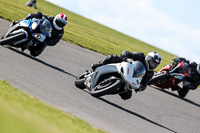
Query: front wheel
[158, 77]
[108, 86]
[79, 82]
[13, 38]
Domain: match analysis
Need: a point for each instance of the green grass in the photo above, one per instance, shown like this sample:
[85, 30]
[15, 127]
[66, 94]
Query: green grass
[22, 113]
[82, 31]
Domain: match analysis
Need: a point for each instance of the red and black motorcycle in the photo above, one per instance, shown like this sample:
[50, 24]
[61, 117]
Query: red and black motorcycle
[172, 76]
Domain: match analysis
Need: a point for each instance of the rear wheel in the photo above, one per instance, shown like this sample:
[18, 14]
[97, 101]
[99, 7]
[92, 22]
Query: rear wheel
[13, 38]
[157, 77]
[79, 82]
[107, 86]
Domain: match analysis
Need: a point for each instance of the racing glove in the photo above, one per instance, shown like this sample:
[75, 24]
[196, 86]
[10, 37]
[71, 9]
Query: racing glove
[176, 59]
[29, 16]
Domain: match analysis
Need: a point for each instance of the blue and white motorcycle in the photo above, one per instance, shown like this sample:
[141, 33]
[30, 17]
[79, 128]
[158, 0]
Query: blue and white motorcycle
[26, 33]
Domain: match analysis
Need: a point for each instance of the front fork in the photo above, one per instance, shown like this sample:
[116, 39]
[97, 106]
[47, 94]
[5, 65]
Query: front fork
[17, 32]
[88, 79]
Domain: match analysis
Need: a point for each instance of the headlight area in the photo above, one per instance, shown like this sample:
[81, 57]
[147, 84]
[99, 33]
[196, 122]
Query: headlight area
[37, 36]
[34, 25]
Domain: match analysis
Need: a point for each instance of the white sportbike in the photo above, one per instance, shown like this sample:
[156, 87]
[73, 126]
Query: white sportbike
[112, 78]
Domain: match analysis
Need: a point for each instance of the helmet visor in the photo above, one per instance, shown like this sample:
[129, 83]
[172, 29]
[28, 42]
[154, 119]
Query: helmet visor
[152, 64]
[59, 23]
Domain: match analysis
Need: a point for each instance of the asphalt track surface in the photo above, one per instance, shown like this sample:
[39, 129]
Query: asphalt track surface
[50, 78]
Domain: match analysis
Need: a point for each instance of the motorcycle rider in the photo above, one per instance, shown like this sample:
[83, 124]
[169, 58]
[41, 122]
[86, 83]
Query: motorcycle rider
[178, 60]
[191, 83]
[150, 61]
[195, 76]
[58, 23]
[32, 3]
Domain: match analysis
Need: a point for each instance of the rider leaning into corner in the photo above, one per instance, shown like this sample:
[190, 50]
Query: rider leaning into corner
[193, 82]
[150, 61]
[58, 23]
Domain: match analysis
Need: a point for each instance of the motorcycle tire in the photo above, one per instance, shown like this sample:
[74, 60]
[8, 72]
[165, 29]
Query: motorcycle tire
[106, 87]
[157, 77]
[79, 82]
[13, 38]
[183, 92]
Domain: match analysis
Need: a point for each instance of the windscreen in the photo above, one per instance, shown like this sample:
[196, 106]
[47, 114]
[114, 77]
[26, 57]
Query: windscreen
[46, 27]
[139, 69]
[185, 68]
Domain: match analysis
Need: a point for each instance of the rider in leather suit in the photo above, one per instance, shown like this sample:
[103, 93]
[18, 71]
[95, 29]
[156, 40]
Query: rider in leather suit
[58, 22]
[150, 61]
[191, 83]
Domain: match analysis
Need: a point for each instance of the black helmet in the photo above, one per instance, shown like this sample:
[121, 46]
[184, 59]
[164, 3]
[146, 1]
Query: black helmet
[193, 66]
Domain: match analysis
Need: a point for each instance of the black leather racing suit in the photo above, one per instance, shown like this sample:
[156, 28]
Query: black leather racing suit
[56, 35]
[193, 82]
[136, 56]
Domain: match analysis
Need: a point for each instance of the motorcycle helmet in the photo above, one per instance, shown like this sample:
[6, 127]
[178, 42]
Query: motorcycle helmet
[198, 68]
[193, 66]
[152, 60]
[60, 21]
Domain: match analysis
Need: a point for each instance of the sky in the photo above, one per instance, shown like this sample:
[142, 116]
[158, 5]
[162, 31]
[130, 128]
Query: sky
[171, 25]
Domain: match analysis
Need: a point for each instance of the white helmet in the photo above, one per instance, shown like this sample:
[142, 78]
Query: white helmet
[60, 21]
[198, 68]
[152, 60]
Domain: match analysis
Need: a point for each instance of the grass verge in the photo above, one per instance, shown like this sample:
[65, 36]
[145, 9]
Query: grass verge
[82, 31]
[23, 113]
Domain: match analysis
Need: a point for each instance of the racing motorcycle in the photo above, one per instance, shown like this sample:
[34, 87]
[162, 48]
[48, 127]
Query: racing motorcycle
[26, 33]
[112, 78]
[172, 76]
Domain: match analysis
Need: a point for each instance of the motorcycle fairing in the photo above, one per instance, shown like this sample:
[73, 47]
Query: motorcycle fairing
[23, 23]
[127, 70]
[167, 67]
[175, 77]
[124, 69]
[101, 71]
[169, 83]
[40, 37]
